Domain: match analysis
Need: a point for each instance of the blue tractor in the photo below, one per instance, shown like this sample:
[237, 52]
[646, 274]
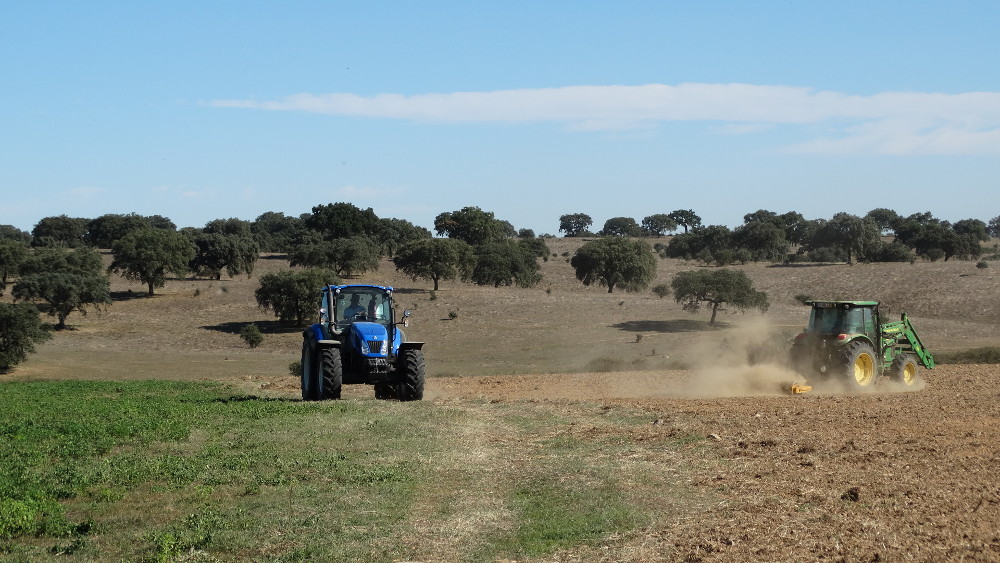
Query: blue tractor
[358, 340]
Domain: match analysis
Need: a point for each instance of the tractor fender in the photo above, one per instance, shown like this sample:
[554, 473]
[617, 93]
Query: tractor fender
[851, 338]
[315, 337]
[314, 333]
[411, 346]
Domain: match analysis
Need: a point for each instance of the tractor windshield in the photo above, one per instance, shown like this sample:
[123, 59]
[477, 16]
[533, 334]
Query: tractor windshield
[833, 320]
[369, 304]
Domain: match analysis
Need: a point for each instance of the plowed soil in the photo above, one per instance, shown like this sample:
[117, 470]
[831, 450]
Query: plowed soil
[887, 475]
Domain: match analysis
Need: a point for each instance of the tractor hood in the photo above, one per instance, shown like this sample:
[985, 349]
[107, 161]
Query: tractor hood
[370, 339]
[370, 331]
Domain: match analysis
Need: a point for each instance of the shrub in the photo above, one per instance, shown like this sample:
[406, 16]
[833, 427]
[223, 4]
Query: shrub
[724, 257]
[295, 368]
[892, 252]
[251, 335]
[662, 290]
[982, 265]
[827, 254]
[934, 254]
[742, 255]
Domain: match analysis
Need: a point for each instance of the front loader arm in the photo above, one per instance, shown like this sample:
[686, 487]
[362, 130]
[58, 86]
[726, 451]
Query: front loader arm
[904, 334]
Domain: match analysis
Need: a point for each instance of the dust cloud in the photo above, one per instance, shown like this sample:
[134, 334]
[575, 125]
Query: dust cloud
[746, 361]
[751, 360]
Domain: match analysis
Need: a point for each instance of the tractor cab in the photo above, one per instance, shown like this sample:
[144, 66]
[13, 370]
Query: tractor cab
[360, 303]
[843, 319]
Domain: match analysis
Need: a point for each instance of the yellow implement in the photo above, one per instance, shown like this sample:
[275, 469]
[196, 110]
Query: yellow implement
[799, 388]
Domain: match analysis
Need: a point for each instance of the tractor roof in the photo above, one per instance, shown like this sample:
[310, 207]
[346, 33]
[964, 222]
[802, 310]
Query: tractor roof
[820, 303]
[339, 287]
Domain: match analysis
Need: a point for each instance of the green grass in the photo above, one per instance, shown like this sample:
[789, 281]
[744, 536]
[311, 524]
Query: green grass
[556, 513]
[159, 471]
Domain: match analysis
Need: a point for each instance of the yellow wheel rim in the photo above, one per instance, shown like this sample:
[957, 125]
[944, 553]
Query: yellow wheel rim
[864, 370]
[909, 373]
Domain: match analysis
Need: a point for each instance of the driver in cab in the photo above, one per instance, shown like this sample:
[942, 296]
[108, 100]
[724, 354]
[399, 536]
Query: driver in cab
[355, 308]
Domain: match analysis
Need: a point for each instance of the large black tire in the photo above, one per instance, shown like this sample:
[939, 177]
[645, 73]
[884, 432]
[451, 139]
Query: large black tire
[904, 369]
[411, 379]
[333, 373]
[311, 384]
[859, 364]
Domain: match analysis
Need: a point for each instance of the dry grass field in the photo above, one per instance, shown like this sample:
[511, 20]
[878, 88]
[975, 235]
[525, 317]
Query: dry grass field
[889, 475]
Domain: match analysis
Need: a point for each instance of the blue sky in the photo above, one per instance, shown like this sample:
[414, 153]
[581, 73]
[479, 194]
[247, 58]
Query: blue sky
[206, 110]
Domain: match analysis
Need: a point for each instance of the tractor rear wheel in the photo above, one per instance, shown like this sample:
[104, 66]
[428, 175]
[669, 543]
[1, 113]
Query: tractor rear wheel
[904, 369]
[411, 380]
[333, 373]
[310, 372]
[859, 364]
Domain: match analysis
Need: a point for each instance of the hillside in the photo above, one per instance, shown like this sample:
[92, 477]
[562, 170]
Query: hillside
[189, 329]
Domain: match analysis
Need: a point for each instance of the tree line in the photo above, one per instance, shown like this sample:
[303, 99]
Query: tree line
[790, 237]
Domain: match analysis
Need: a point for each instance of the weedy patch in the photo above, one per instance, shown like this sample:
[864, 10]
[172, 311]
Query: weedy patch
[158, 471]
[77, 452]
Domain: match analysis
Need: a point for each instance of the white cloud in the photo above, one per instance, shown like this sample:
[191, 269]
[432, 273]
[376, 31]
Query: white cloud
[885, 123]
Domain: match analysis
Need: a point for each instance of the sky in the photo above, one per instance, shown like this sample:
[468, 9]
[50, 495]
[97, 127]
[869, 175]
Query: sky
[200, 110]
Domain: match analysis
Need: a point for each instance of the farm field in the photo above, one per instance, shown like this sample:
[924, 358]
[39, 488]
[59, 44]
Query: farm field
[651, 429]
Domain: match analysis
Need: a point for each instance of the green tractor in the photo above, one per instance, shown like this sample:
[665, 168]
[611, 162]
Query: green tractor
[847, 340]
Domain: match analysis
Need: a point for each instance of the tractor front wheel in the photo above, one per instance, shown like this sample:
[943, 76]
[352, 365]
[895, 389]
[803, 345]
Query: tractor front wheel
[333, 373]
[310, 372]
[904, 369]
[411, 380]
[859, 364]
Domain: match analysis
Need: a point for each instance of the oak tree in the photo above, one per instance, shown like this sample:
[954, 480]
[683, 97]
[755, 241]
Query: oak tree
[66, 280]
[717, 287]
[20, 329]
[615, 262]
[575, 224]
[148, 255]
[293, 294]
[436, 259]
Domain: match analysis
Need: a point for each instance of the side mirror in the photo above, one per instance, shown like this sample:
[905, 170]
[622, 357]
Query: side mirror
[406, 318]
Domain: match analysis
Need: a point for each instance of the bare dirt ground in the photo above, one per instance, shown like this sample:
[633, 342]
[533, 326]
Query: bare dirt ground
[889, 475]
